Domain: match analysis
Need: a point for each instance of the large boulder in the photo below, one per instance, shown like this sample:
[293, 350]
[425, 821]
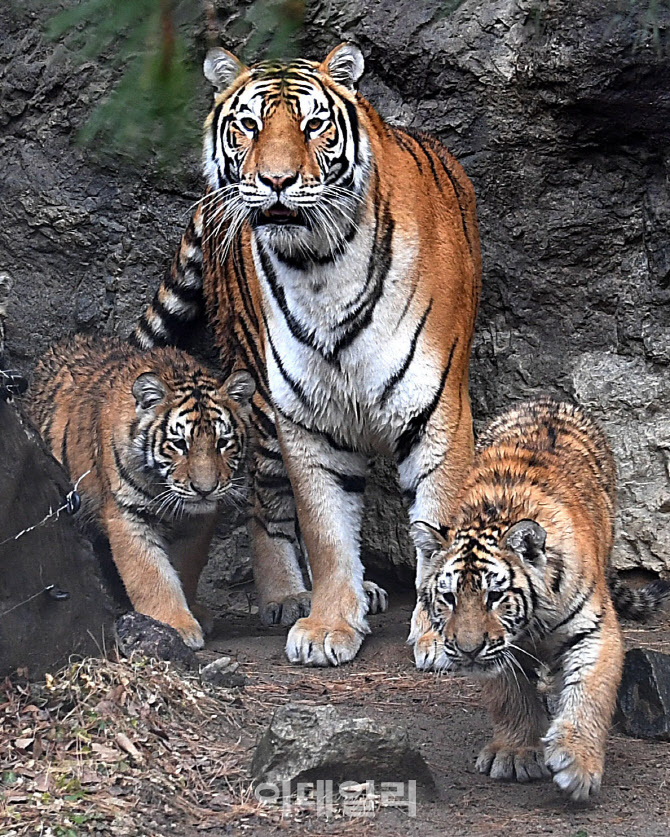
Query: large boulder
[311, 743]
[643, 703]
[52, 602]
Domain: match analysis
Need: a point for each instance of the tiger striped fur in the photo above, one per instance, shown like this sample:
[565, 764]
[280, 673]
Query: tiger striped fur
[162, 442]
[339, 260]
[517, 586]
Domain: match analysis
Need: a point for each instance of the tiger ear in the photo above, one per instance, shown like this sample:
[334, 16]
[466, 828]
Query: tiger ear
[221, 68]
[345, 65]
[240, 386]
[148, 390]
[527, 540]
[428, 540]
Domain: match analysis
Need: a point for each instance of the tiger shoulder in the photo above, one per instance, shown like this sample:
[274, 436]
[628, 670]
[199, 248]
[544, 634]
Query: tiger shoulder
[519, 587]
[157, 443]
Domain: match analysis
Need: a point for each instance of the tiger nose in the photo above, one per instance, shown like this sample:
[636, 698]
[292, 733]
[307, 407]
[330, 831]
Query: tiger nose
[203, 489]
[277, 182]
[470, 647]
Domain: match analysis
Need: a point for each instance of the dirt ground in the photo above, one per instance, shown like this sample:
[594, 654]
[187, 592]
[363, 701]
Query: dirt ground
[446, 720]
[135, 749]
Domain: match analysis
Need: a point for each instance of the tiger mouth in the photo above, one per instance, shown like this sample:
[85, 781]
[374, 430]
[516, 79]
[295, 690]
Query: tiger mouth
[281, 216]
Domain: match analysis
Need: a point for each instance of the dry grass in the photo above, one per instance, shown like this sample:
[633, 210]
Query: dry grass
[134, 747]
[102, 746]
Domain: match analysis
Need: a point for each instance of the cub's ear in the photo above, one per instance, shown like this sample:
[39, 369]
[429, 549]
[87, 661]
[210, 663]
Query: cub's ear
[427, 539]
[148, 390]
[527, 540]
[221, 68]
[240, 386]
[345, 65]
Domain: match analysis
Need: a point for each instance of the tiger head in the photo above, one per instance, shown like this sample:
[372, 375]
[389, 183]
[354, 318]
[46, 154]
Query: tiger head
[284, 148]
[479, 590]
[189, 436]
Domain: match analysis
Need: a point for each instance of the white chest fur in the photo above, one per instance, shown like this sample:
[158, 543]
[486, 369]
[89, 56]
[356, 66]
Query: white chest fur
[337, 334]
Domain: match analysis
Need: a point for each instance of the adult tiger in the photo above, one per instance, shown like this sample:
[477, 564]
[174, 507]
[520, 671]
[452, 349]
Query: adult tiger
[340, 262]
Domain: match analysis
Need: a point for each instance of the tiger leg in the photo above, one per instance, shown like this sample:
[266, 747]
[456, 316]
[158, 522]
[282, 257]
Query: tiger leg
[189, 556]
[431, 467]
[152, 583]
[590, 672]
[328, 484]
[519, 720]
[273, 531]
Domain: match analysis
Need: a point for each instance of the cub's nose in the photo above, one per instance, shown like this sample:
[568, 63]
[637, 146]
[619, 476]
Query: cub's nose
[470, 648]
[278, 182]
[204, 490]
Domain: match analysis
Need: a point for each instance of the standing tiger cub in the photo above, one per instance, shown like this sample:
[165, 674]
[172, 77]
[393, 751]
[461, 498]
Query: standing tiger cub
[164, 441]
[518, 585]
[337, 258]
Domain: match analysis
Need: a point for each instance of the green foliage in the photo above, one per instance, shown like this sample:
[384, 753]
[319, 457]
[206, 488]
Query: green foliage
[149, 112]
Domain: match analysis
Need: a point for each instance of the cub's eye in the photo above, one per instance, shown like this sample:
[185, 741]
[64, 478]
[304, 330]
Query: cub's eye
[222, 444]
[249, 124]
[180, 444]
[314, 124]
[494, 596]
[449, 599]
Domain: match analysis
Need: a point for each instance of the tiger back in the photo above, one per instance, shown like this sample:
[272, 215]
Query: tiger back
[337, 258]
[517, 588]
[157, 443]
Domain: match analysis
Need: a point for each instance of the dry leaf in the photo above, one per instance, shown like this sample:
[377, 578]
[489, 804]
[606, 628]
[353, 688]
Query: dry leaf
[126, 744]
[105, 753]
[23, 743]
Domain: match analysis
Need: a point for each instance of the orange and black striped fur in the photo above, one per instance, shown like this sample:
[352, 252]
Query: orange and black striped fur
[163, 442]
[518, 586]
[339, 257]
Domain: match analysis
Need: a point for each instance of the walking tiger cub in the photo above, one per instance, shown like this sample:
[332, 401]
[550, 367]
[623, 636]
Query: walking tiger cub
[518, 585]
[336, 258]
[164, 441]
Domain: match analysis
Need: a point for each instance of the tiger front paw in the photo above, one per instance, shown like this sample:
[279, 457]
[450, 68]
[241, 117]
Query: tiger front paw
[378, 600]
[576, 771]
[429, 651]
[286, 611]
[188, 628]
[314, 644]
[512, 764]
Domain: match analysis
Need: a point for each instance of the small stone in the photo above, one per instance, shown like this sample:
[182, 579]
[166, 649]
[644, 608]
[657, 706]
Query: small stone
[223, 672]
[308, 743]
[137, 633]
[643, 703]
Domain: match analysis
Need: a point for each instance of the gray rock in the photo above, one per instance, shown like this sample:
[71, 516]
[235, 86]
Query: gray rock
[52, 601]
[308, 743]
[560, 114]
[643, 703]
[223, 672]
[137, 633]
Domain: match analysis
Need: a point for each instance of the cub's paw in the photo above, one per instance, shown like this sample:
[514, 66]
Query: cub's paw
[315, 644]
[576, 772]
[429, 653]
[378, 600]
[512, 764]
[286, 611]
[204, 616]
[189, 629]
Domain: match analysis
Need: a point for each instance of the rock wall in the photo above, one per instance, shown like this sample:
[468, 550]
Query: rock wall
[560, 113]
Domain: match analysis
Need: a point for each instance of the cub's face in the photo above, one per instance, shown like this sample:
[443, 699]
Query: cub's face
[190, 439]
[283, 147]
[479, 591]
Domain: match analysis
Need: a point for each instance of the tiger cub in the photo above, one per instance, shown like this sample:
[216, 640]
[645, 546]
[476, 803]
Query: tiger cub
[163, 441]
[518, 586]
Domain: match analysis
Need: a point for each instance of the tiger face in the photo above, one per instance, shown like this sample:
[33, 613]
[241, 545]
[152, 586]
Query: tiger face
[189, 438]
[480, 591]
[283, 147]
